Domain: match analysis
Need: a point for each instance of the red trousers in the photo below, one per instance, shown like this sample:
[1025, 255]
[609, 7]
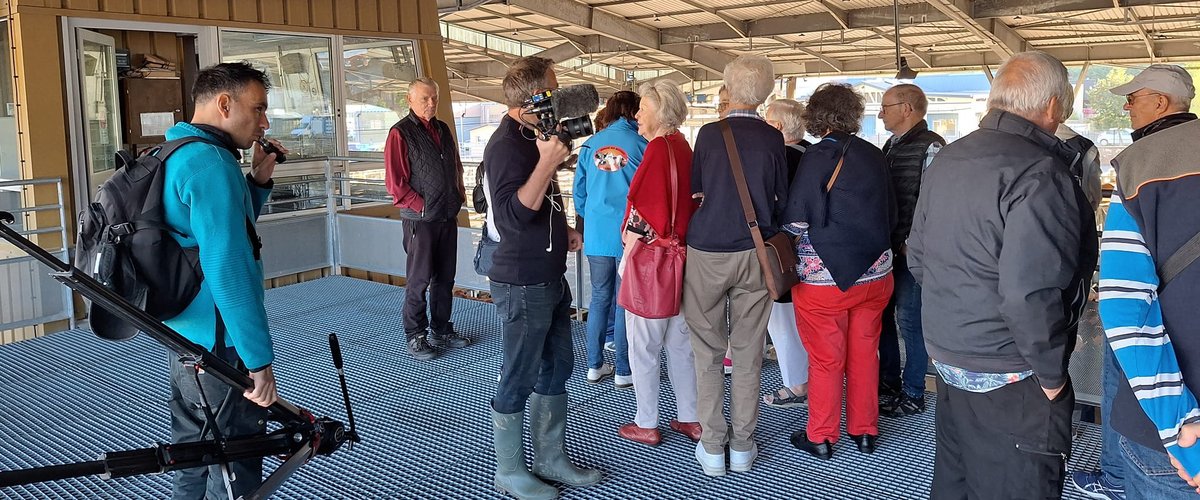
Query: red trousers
[841, 332]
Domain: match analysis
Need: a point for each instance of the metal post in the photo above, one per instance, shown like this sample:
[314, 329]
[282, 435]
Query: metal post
[68, 297]
[331, 210]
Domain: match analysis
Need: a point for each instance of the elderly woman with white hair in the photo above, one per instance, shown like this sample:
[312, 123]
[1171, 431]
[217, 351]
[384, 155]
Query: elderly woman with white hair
[653, 218]
[786, 115]
[723, 267]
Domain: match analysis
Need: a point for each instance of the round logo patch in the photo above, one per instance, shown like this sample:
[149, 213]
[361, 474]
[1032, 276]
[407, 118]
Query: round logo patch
[611, 158]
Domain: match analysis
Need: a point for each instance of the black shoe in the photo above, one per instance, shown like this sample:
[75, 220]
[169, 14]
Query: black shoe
[448, 338]
[823, 451]
[903, 405]
[887, 391]
[420, 349]
[864, 442]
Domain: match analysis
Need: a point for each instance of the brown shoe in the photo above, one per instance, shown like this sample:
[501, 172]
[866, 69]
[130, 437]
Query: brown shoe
[632, 432]
[690, 429]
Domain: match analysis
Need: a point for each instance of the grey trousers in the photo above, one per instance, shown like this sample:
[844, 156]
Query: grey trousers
[709, 280]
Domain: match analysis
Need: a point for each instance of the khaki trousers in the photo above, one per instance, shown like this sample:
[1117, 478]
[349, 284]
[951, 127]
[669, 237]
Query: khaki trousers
[710, 280]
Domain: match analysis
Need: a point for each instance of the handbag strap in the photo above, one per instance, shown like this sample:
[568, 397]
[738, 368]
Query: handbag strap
[739, 178]
[838, 169]
[674, 185]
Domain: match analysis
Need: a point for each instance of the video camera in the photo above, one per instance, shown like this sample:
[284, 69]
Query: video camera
[563, 112]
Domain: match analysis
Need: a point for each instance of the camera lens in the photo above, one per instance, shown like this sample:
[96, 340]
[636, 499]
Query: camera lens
[573, 128]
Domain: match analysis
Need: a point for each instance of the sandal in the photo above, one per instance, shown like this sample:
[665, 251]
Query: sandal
[785, 398]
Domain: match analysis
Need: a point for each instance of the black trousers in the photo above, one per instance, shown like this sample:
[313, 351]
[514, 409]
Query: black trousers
[1009, 443]
[432, 249]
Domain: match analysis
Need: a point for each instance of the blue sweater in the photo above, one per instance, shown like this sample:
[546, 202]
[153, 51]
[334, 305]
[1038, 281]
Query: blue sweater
[1152, 328]
[607, 162]
[207, 198]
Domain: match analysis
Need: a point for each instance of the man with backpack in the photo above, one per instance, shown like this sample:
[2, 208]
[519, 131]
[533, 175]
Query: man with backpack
[208, 203]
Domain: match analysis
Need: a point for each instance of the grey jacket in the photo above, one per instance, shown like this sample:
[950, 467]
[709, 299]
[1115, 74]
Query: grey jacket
[998, 236]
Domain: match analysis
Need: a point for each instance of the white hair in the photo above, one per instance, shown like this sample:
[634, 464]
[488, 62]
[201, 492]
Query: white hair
[749, 79]
[424, 80]
[672, 105]
[788, 113]
[1178, 102]
[1026, 82]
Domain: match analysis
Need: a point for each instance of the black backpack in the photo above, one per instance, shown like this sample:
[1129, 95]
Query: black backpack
[124, 243]
[478, 196]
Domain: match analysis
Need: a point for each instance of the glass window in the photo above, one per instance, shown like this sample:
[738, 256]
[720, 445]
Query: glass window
[378, 72]
[301, 98]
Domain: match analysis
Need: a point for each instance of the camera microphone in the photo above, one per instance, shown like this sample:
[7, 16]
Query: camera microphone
[575, 100]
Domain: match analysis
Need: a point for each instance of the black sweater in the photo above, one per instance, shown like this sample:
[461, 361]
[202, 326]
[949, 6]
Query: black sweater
[719, 225]
[533, 243]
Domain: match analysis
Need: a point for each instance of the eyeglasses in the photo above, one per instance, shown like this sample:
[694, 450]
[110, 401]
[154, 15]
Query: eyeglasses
[1130, 98]
[886, 106]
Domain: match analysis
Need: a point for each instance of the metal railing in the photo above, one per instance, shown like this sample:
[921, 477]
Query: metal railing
[340, 197]
[25, 295]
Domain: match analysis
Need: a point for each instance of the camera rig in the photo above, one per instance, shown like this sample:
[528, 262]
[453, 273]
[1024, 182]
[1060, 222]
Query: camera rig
[301, 435]
[544, 106]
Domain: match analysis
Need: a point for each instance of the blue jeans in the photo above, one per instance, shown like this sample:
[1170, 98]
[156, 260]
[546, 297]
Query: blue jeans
[605, 283]
[1112, 465]
[904, 310]
[1151, 475]
[538, 351]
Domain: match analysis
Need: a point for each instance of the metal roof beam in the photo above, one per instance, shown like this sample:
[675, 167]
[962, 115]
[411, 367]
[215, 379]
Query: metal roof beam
[875, 17]
[960, 11]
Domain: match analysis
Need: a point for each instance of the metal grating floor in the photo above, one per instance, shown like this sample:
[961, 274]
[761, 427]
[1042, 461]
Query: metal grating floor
[426, 426]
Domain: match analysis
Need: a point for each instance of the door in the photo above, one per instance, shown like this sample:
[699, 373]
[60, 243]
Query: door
[101, 109]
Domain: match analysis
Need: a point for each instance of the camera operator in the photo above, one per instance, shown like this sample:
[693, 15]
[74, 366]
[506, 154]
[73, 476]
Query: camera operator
[531, 292]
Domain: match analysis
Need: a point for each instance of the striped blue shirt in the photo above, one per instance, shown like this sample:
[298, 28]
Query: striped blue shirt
[1132, 318]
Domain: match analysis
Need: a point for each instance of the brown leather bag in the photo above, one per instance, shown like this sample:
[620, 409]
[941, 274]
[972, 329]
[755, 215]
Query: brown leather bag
[776, 255]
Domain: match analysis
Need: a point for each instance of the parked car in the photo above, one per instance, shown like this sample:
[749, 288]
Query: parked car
[1114, 137]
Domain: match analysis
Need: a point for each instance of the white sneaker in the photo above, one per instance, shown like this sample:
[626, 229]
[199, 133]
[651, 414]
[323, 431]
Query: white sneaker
[713, 465]
[741, 461]
[597, 375]
[623, 381]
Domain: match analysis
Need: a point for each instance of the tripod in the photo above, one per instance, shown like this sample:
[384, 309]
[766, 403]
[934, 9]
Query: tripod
[301, 436]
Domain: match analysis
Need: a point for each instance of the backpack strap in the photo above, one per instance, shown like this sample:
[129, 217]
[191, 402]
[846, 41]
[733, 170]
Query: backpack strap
[1179, 261]
[164, 150]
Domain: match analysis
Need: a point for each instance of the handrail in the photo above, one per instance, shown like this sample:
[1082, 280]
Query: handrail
[30, 182]
[63, 252]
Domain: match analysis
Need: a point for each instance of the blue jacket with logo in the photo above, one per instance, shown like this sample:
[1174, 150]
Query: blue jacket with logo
[607, 162]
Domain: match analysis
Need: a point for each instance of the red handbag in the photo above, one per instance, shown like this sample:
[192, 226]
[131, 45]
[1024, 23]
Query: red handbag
[652, 284]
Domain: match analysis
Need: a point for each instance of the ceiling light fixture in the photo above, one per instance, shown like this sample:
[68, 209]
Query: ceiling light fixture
[903, 72]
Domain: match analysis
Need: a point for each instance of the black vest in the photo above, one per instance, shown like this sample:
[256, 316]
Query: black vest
[906, 159]
[433, 170]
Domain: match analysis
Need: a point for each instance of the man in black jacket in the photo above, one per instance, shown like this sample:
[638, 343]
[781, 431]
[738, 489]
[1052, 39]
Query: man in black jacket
[530, 291]
[998, 244]
[910, 149]
[425, 178]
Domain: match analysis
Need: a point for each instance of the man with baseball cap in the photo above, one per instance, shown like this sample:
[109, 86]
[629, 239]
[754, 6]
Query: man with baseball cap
[1156, 99]
[1149, 282]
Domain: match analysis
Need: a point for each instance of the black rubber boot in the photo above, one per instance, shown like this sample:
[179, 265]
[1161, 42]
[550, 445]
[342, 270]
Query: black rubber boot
[511, 475]
[548, 428]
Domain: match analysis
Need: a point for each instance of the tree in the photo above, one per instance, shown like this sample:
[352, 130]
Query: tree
[1107, 109]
